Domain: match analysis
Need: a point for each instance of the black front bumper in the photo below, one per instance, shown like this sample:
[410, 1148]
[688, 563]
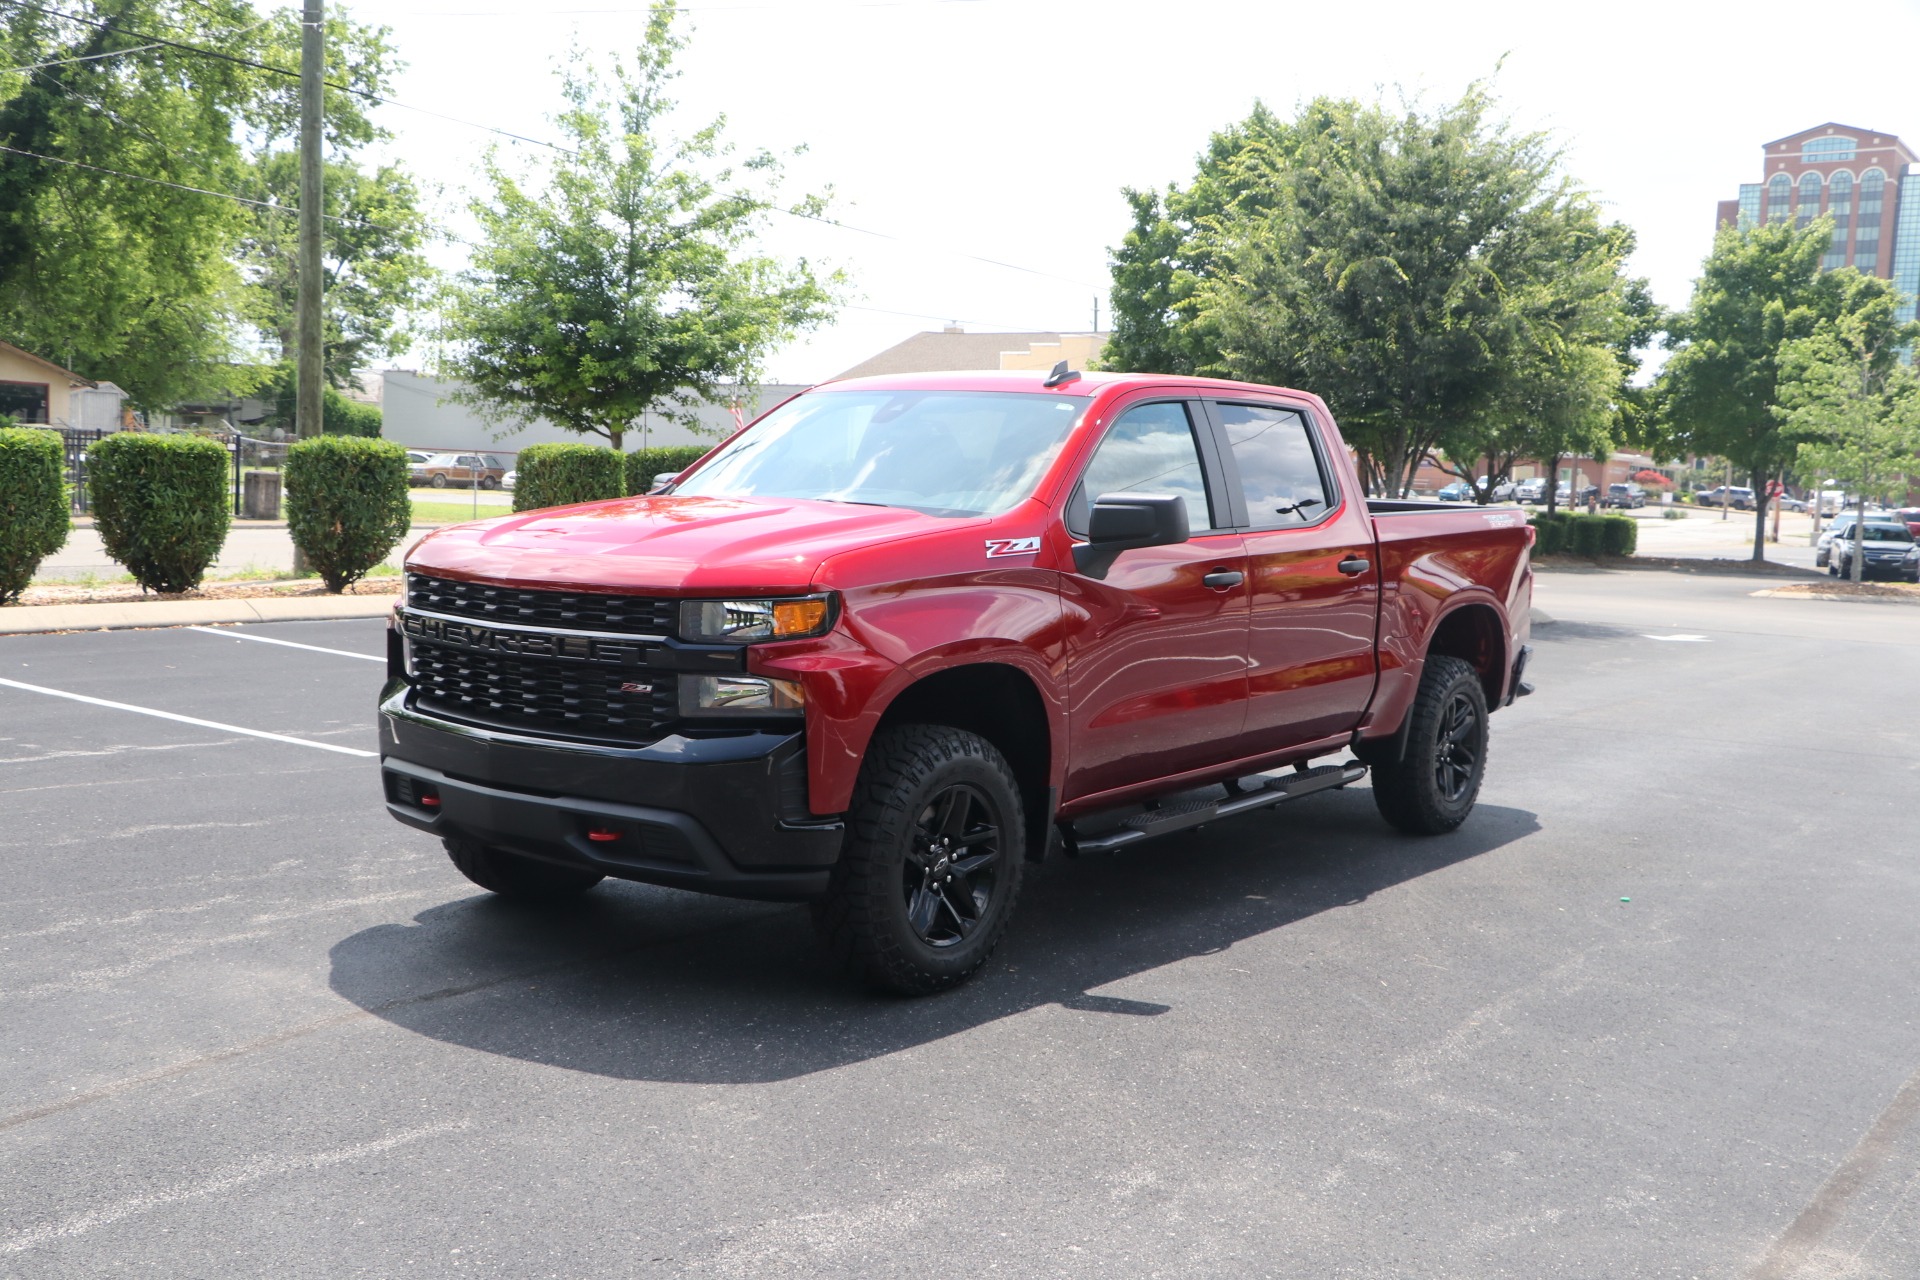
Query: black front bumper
[724, 814]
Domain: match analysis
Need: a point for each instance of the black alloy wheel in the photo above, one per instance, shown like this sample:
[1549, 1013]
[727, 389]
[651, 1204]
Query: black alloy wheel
[947, 875]
[1432, 788]
[1456, 762]
[932, 865]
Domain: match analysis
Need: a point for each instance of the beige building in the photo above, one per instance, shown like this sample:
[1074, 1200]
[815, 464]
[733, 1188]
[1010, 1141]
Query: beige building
[955, 348]
[40, 391]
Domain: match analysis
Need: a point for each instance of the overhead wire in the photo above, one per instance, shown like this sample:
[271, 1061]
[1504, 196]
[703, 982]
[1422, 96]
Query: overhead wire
[540, 142]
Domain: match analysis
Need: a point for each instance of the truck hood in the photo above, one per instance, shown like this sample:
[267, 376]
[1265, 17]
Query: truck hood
[670, 544]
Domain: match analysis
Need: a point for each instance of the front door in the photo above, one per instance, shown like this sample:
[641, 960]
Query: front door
[1156, 668]
[1314, 578]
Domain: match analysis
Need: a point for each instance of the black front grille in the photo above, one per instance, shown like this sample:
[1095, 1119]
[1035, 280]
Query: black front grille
[546, 695]
[579, 610]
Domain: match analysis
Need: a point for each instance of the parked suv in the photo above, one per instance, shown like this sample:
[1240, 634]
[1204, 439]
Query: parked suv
[459, 469]
[1625, 495]
[1739, 496]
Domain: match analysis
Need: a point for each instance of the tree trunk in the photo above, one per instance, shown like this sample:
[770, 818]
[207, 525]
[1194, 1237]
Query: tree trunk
[614, 435]
[1553, 483]
[1857, 570]
[1759, 483]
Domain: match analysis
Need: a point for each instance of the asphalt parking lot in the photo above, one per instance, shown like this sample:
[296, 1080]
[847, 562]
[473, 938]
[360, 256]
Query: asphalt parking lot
[1651, 1012]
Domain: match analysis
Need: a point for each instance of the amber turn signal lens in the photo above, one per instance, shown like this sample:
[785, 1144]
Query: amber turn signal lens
[798, 617]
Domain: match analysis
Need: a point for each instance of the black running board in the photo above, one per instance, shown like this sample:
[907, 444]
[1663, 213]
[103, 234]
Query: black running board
[1179, 817]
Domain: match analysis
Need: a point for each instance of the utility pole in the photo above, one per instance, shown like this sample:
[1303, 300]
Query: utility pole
[311, 323]
[309, 369]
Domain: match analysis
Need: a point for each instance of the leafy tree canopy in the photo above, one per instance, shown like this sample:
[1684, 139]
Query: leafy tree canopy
[626, 282]
[1760, 291]
[133, 280]
[1431, 274]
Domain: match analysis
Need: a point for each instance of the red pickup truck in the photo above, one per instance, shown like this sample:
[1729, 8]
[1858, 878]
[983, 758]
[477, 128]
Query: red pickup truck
[900, 636]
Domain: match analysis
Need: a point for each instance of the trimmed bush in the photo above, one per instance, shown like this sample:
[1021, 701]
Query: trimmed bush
[1619, 535]
[162, 504]
[1563, 534]
[555, 475]
[644, 464]
[347, 504]
[340, 416]
[33, 503]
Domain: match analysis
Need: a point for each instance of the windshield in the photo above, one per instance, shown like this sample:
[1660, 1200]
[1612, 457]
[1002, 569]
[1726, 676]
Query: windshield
[944, 453]
[1887, 533]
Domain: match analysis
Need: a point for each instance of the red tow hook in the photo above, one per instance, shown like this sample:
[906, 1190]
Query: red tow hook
[602, 835]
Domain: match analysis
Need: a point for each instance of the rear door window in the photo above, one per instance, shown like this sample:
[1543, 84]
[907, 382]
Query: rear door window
[1280, 474]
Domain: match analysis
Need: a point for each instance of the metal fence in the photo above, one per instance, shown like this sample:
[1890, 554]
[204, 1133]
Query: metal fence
[76, 441]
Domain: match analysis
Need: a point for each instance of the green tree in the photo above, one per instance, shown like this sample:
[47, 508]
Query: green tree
[1422, 271]
[374, 270]
[628, 284]
[1761, 289]
[134, 280]
[1850, 412]
[1159, 264]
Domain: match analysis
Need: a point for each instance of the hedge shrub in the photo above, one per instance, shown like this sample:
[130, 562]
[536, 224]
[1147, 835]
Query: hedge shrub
[644, 464]
[347, 504]
[33, 503]
[1562, 533]
[554, 475]
[161, 504]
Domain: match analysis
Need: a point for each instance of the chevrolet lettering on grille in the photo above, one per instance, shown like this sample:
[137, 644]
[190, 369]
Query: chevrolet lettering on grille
[530, 644]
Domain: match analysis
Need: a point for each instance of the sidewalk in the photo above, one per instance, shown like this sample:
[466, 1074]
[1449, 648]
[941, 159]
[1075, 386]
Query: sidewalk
[35, 619]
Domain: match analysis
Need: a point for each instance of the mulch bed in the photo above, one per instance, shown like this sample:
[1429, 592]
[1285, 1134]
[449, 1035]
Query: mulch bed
[1676, 564]
[131, 593]
[1838, 589]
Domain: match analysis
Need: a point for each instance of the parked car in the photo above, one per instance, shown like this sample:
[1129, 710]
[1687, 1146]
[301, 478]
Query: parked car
[1502, 489]
[1625, 495]
[1909, 516]
[1910, 567]
[1840, 526]
[510, 480]
[463, 470]
[1740, 497]
[1532, 489]
[1458, 491]
[904, 635]
[1883, 549]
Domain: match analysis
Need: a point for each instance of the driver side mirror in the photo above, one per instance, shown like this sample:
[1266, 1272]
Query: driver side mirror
[1123, 521]
[661, 479]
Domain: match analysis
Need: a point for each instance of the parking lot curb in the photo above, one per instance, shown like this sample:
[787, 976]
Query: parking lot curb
[36, 619]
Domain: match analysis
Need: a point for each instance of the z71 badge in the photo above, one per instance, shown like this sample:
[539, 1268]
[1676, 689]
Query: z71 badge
[998, 547]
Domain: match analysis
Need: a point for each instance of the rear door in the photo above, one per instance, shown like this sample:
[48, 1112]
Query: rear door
[1156, 665]
[1313, 573]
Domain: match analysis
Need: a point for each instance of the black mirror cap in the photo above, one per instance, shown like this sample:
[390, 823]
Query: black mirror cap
[1122, 521]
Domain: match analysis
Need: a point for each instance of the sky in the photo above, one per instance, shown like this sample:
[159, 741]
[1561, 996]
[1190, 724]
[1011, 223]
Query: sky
[956, 131]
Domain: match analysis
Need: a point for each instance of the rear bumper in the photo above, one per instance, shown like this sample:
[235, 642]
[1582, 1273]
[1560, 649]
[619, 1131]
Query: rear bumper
[724, 815]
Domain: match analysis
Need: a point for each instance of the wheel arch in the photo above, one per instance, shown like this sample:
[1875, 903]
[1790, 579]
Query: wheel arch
[1002, 703]
[1475, 633]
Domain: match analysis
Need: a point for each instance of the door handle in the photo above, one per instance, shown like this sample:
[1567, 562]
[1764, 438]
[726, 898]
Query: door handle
[1355, 565]
[1221, 579]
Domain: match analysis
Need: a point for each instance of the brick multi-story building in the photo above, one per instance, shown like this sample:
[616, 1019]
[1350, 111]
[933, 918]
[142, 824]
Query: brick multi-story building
[1866, 180]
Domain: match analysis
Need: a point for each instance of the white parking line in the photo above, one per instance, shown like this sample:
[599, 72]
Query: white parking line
[204, 724]
[291, 644]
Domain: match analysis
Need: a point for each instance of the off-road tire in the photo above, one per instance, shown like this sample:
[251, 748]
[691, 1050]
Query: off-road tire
[1410, 793]
[863, 920]
[512, 876]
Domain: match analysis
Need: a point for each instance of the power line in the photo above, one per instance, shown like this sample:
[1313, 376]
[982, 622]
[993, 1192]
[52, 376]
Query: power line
[181, 186]
[63, 62]
[520, 137]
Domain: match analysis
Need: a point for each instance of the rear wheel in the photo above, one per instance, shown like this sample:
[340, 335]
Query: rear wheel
[932, 867]
[1433, 787]
[440, 480]
[512, 876]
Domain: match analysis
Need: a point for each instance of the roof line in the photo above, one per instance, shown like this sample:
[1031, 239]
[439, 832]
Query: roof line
[61, 369]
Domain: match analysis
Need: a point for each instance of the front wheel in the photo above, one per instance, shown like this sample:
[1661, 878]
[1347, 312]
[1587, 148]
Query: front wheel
[512, 876]
[439, 481]
[1432, 788]
[932, 866]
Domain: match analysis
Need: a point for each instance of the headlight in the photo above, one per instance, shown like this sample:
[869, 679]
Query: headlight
[745, 621]
[739, 696]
